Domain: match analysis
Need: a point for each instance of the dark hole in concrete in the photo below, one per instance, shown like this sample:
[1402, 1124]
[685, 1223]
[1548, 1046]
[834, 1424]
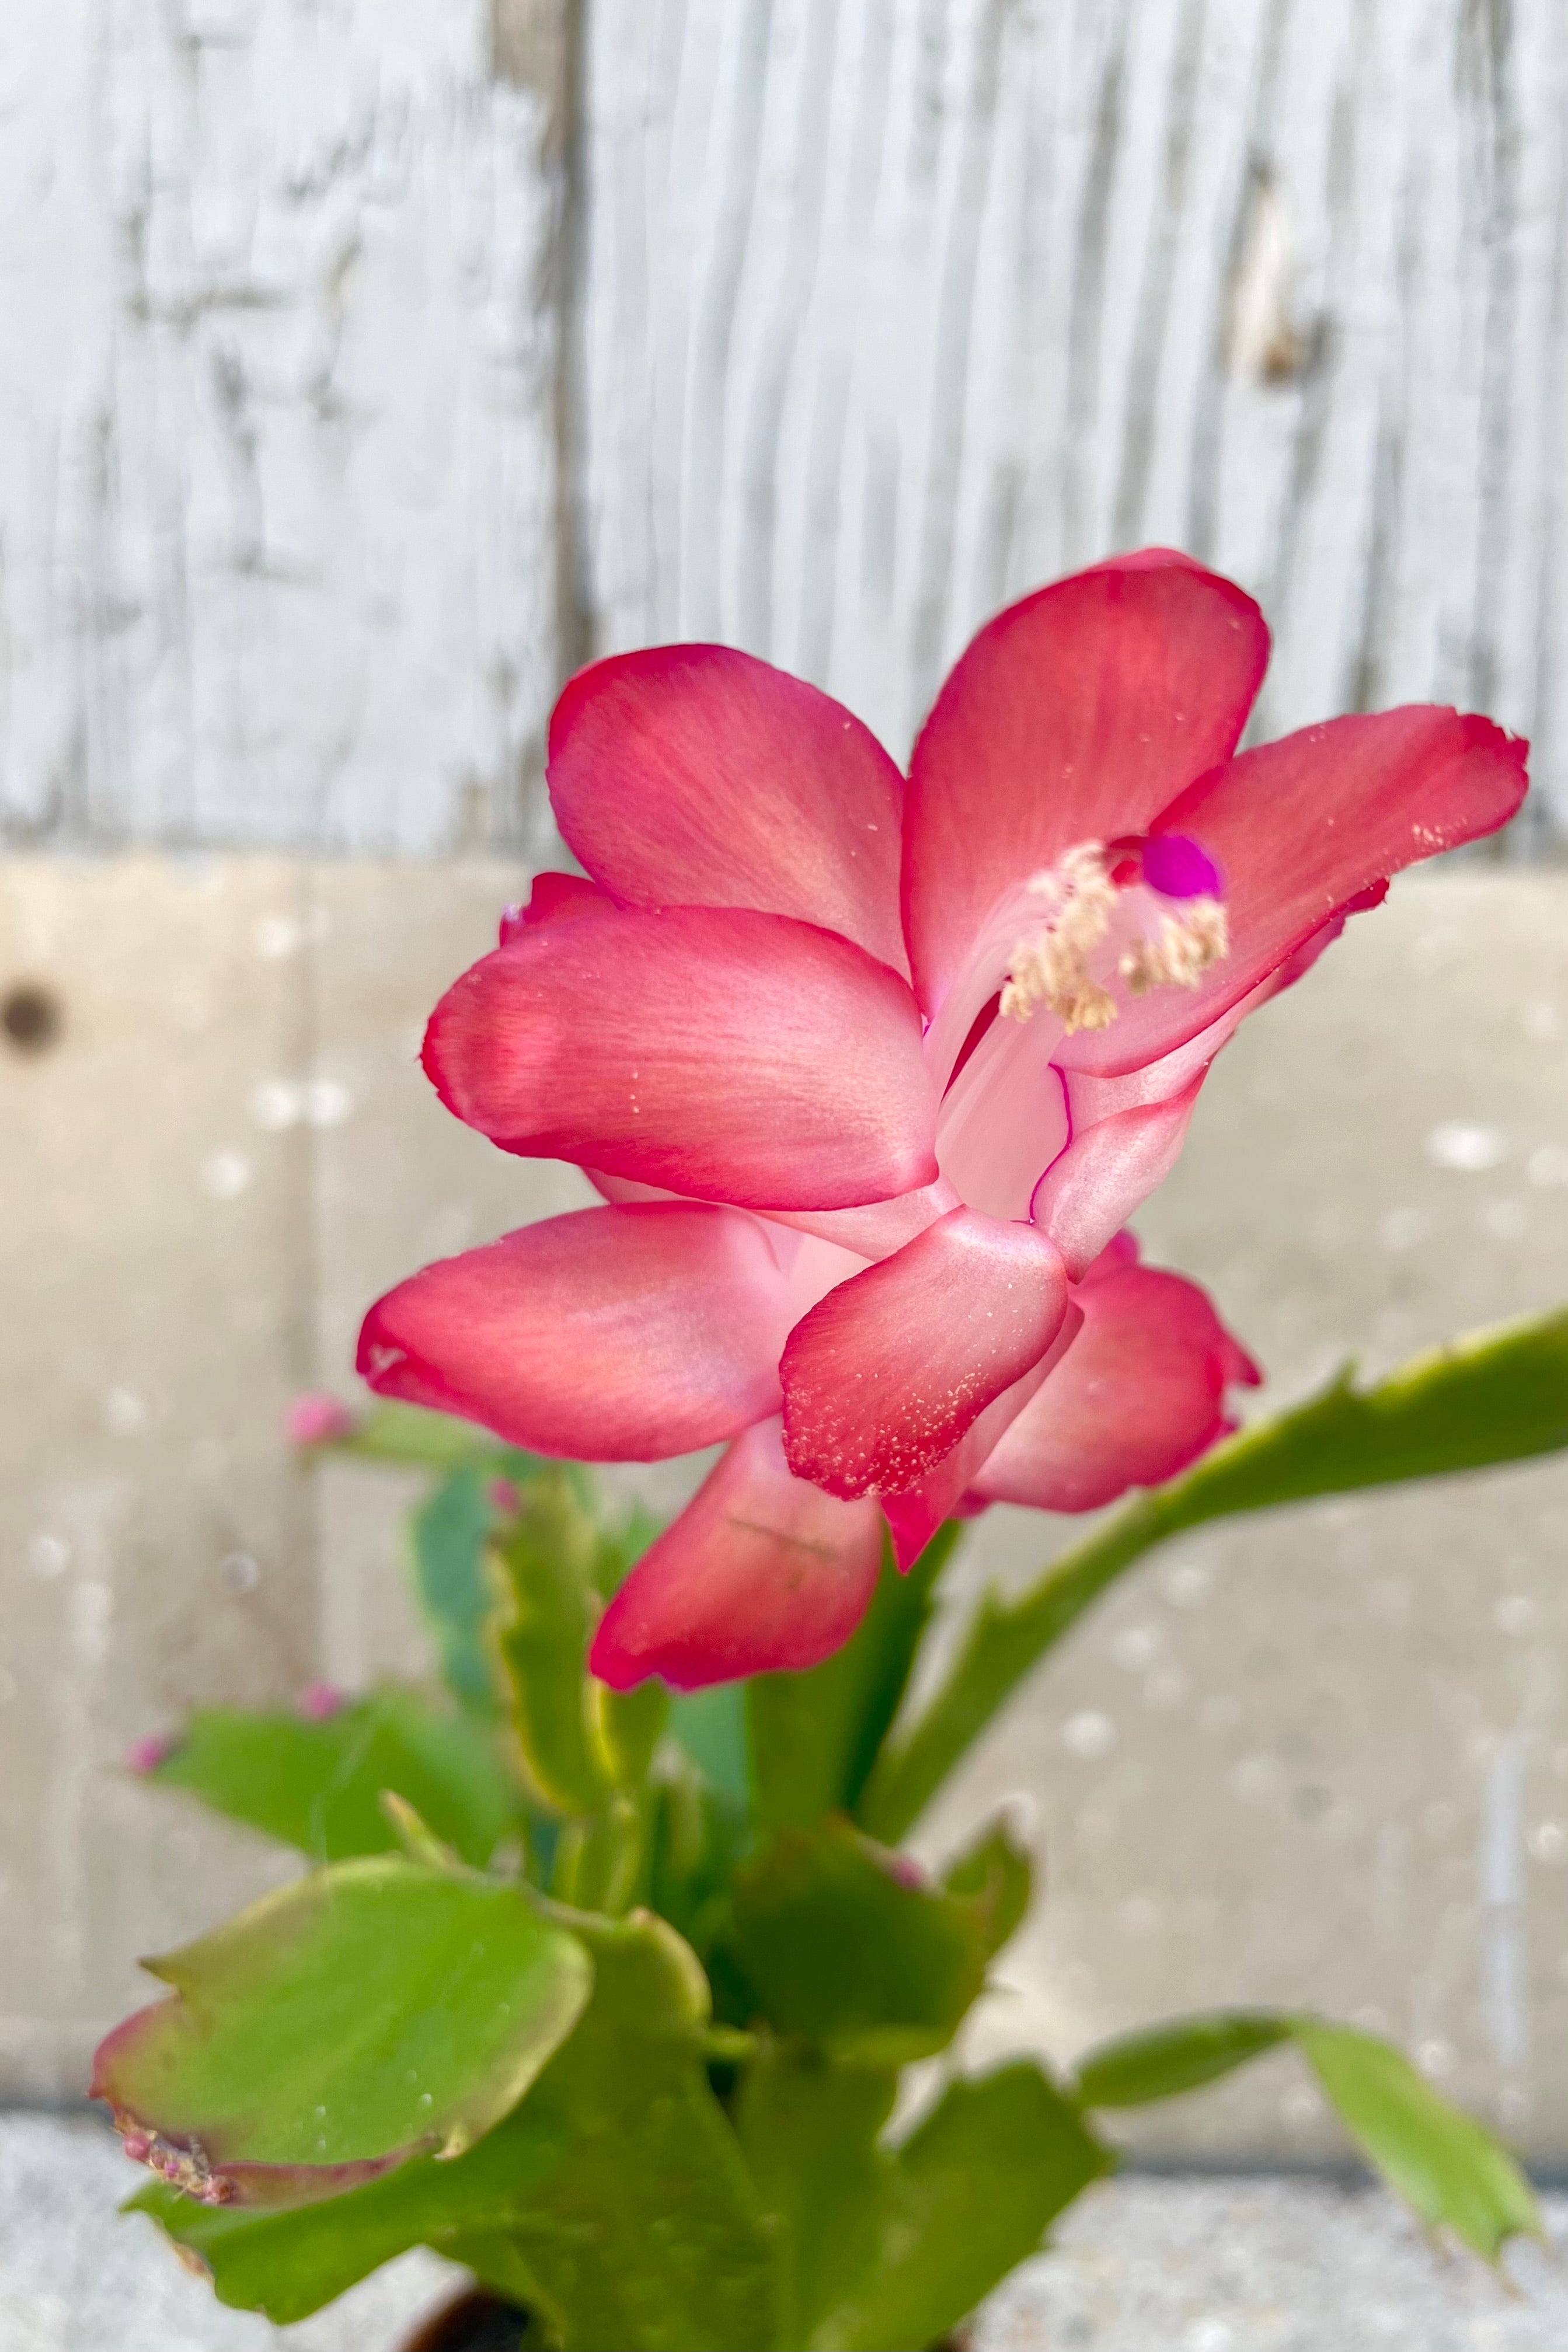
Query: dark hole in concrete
[32, 1017]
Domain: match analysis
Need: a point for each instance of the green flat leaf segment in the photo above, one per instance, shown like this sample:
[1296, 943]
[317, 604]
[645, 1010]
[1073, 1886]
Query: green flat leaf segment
[1448, 2167]
[845, 1947]
[1494, 1396]
[613, 2199]
[968, 2196]
[1161, 2062]
[815, 1736]
[409, 1436]
[542, 1565]
[993, 1874]
[372, 2011]
[811, 2127]
[1497, 1396]
[316, 1785]
[448, 1536]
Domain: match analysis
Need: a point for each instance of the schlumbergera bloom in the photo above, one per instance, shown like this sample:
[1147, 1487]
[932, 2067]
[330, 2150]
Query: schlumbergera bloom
[870, 1076]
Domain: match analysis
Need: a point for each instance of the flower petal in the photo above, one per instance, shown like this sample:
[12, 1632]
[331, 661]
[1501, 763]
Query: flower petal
[1302, 828]
[1107, 1172]
[696, 776]
[884, 1376]
[553, 898]
[722, 1053]
[913, 1519]
[880, 1228]
[760, 1573]
[1139, 1395]
[613, 1335]
[1076, 715]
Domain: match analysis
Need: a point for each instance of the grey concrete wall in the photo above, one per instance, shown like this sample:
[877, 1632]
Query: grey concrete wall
[1321, 1757]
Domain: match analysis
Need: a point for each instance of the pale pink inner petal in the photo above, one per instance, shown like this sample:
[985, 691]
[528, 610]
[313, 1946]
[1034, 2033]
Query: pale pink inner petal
[760, 1573]
[1003, 1119]
[881, 1227]
[1107, 1172]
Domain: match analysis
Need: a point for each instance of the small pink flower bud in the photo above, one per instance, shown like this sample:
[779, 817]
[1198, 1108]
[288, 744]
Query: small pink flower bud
[146, 1755]
[504, 1496]
[137, 2145]
[317, 1418]
[908, 1872]
[319, 1702]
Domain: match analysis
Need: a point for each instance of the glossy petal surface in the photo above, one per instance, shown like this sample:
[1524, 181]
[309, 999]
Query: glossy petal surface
[612, 1335]
[725, 1055]
[1109, 1170]
[761, 1571]
[1303, 827]
[1076, 715]
[884, 1376]
[1139, 1394]
[697, 776]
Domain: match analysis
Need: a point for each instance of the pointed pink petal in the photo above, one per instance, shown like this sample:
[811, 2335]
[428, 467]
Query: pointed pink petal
[1106, 1172]
[612, 1335]
[884, 1377]
[760, 1573]
[1077, 715]
[913, 1519]
[553, 899]
[1139, 1395]
[1301, 829]
[696, 776]
[723, 1054]
[880, 1228]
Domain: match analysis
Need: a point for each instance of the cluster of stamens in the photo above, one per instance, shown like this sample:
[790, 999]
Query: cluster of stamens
[1052, 967]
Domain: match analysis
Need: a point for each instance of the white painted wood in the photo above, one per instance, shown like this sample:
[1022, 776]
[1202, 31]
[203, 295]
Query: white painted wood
[883, 311]
[895, 308]
[277, 437]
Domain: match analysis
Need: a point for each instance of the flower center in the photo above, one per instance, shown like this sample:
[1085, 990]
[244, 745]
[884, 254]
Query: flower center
[1146, 913]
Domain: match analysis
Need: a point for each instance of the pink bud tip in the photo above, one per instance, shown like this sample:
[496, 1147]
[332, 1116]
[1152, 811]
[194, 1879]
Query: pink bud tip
[908, 1872]
[137, 2146]
[1180, 867]
[504, 1496]
[318, 1418]
[320, 1702]
[146, 1755]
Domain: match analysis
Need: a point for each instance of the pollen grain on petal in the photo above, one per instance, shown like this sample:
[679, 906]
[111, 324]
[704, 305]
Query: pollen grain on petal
[1050, 966]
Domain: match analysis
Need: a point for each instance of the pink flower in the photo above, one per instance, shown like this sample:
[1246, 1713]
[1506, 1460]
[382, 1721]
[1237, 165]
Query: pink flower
[145, 1755]
[318, 1702]
[872, 1076]
[317, 1418]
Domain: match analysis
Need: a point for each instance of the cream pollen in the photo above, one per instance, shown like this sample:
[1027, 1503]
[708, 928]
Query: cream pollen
[1058, 964]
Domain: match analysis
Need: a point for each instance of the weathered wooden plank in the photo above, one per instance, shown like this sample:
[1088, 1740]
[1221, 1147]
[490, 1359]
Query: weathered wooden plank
[895, 308]
[278, 487]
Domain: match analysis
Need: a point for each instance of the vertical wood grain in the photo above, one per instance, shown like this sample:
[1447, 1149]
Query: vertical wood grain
[898, 308]
[278, 499]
